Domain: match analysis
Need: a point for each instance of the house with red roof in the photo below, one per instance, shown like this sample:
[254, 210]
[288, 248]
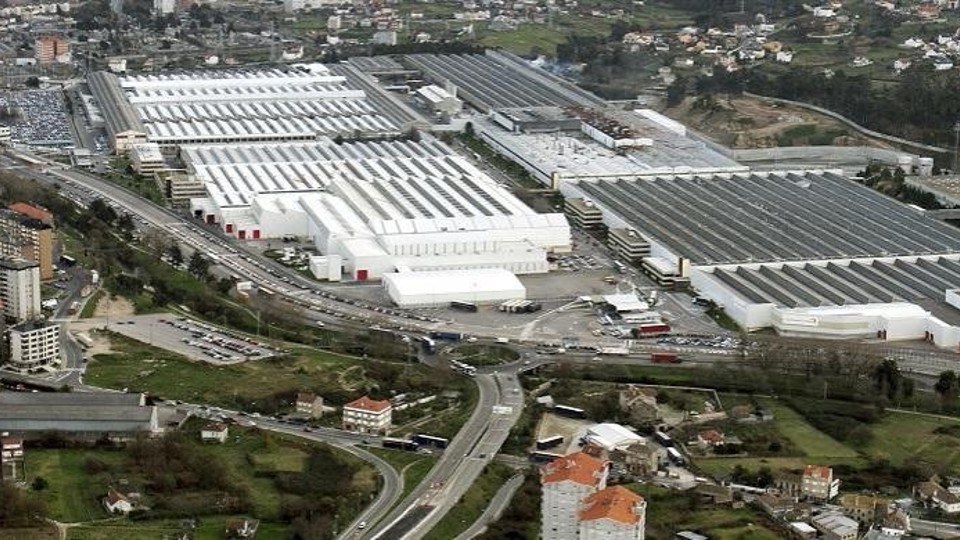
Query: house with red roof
[365, 415]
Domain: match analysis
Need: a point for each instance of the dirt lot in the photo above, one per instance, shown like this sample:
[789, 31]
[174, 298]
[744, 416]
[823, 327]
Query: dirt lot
[743, 122]
[113, 306]
[570, 428]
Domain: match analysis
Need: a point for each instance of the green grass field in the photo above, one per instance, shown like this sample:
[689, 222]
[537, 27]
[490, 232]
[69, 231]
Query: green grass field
[816, 446]
[138, 366]
[526, 38]
[807, 438]
[71, 494]
[897, 437]
[902, 437]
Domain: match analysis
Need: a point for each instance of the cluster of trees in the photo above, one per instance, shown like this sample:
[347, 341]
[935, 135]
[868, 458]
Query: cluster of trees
[893, 184]
[919, 107]
[844, 421]
[521, 519]
[311, 499]
[19, 508]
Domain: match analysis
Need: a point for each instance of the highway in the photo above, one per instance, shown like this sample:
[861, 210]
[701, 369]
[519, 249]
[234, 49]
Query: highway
[446, 480]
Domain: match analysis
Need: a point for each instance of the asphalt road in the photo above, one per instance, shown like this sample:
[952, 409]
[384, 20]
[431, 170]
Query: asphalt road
[476, 445]
[458, 451]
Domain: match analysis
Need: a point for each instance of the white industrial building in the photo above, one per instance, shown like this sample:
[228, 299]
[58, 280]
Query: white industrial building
[558, 146]
[380, 206]
[479, 286]
[298, 103]
[808, 253]
[612, 436]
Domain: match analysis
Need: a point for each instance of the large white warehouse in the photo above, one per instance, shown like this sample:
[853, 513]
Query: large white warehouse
[237, 105]
[480, 286]
[378, 205]
[809, 253]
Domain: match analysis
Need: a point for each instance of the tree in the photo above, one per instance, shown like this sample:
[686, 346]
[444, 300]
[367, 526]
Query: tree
[125, 222]
[39, 484]
[946, 386]
[198, 265]
[176, 256]
[103, 211]
[887, 379]
[33, 82]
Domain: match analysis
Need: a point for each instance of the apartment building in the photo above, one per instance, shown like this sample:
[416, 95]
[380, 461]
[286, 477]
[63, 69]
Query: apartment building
[52, 48]
[19, 289]
[566, 483]
[27, 237]
[818, 483]
[34, 346]
[613, 513]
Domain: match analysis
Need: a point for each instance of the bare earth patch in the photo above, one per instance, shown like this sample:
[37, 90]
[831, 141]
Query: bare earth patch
[114, 306]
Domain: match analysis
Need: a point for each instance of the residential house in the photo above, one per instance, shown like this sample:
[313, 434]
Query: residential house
[931, 493]
[565, 483]
[710, 438]
[640, 459]
[804, 530]
[640, 404]
[309, 404]
[864, 508]
[214, 433]
[719, 495]
[880, 533]
[613, 513]
[117, 503]
[11, 459]
[896, 521]
[365, 415]
[835, 526]
[818, 483]
[787, 483]
[775, 505]
[241, 528]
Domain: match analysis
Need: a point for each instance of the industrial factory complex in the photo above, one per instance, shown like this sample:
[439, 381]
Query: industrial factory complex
[230, 106]
[375, 207]
[318, 152]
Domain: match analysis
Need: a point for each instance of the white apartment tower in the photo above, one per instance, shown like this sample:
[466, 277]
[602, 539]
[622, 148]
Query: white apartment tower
[566, 482]
[613, 513]
[19, 289]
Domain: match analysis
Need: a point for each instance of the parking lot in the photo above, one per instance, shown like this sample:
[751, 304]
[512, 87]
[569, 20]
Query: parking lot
[194, 339]
[39, 118]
